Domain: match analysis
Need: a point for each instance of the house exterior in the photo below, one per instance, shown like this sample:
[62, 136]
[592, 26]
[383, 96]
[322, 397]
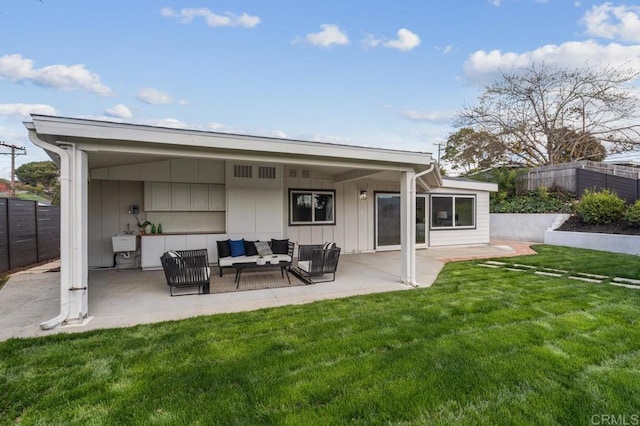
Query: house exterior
[205, 186]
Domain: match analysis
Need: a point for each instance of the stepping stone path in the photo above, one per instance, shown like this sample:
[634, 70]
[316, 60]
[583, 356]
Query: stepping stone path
[560, 273]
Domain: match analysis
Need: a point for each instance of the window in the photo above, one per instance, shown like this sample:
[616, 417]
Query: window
[453, 211]
[311, 207]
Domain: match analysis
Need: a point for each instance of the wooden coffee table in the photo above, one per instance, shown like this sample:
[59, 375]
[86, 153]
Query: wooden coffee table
[253, 266]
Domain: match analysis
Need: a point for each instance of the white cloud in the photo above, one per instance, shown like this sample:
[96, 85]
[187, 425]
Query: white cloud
[435, 117]
[370, 41]
[227, 19]
[496, 3]
[483, 66]
[330, 35]
[152, 96]
[62, 77]
[119, 111]
[613, 22]
[406, 41]
[447, 49]
[23, 110]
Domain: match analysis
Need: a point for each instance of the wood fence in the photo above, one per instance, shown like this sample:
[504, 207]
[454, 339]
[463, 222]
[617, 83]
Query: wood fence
[578, 176]
[29, 233]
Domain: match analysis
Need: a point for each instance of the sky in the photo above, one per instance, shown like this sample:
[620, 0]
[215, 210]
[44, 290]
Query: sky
[389, 74]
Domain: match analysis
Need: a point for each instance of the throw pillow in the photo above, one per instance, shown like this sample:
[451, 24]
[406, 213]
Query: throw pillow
[263, 249]
[173, 253]
[237, 247]
[224, 249]
[250, 248]
[280, 246]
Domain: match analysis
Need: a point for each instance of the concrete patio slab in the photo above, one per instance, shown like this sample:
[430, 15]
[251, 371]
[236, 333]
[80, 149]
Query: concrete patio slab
[120, 298]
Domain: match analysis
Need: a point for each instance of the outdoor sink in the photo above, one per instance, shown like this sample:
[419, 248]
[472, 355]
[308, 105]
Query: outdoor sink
[123, 243]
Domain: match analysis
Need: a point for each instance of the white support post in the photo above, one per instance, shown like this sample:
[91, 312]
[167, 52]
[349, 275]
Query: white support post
[79, 293]
[407, 228]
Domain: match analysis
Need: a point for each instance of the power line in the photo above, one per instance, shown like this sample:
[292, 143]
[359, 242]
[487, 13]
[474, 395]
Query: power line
[15, 150]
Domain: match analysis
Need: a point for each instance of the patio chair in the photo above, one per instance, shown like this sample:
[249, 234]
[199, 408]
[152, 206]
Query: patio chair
[317, 264]
[187, 268]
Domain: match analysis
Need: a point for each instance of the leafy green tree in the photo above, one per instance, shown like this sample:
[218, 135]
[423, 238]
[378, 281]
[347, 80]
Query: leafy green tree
[530, 109]
[38, 172]
[469, 150]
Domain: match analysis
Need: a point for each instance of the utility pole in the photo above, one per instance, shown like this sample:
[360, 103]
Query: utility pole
[444, 146]
[15, 150]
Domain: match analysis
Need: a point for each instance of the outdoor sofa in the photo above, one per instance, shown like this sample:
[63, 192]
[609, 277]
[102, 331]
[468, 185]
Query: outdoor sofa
[244, 251]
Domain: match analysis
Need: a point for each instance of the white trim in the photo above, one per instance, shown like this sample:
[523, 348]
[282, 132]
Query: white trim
[469, 185]
[108, 131]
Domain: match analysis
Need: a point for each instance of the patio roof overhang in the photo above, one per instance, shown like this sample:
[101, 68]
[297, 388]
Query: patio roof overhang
[80, 144]
[111, 143]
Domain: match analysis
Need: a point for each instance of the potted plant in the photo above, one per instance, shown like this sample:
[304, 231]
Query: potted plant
[261, 260]
[142, 226]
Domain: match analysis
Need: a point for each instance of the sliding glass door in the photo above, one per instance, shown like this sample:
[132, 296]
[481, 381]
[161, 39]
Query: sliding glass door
[388, 220]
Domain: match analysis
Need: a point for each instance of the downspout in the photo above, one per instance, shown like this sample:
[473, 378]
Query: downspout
[65, 306]
[412, 238]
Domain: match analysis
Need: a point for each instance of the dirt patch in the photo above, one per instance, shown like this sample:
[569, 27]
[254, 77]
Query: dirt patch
[575, 224]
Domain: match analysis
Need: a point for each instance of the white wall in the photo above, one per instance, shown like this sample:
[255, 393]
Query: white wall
[109, 203]
[523, 227]
[254, 214]
[627, 244]
[479, 235]
[354, 228]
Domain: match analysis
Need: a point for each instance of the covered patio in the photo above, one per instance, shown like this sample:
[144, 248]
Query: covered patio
[121, 298]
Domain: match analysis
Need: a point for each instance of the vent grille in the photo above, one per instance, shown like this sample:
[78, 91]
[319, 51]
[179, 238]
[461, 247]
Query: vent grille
[242, 171]
[266, 172]
[293, 173]
[305, 174]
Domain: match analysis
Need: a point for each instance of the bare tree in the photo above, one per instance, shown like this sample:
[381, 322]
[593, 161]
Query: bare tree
[532, 112]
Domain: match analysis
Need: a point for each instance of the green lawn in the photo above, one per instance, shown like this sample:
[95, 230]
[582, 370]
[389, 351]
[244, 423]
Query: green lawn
[482, 346]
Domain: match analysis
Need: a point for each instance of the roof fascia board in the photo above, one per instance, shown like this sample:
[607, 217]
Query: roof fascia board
[81, 128]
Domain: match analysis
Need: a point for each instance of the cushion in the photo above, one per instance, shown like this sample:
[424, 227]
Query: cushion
[304, 265]
[280, 246]
[250, 248]
[173, 253]
[263, 249]
[237, 247]
[224, 249]
[326, 246]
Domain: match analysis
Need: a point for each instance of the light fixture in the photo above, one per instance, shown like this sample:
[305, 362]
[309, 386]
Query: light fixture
[363, 194]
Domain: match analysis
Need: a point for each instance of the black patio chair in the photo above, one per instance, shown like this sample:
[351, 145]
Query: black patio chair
[187, 268]
[317, 264]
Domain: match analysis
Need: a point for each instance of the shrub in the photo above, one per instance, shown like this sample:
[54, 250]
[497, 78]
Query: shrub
[602, 207]
[541, 200]
[632, 216]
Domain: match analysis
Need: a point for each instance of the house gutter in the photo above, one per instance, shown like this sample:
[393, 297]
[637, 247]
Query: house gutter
[65, 185]
[411, 278]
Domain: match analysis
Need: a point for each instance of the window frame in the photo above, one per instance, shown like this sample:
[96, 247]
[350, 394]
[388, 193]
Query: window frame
[433, 226]
[312, 193]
